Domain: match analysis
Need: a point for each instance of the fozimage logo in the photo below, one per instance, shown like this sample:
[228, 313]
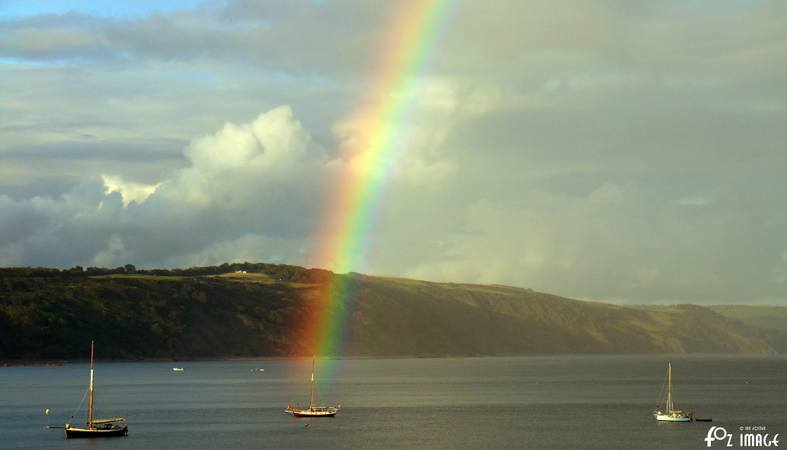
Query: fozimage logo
[748, 436]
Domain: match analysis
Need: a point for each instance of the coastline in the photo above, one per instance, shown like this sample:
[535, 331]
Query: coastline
[7, 363]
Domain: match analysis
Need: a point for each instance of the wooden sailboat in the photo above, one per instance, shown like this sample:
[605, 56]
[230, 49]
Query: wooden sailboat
[313, 410]
[669, 413]
[96, 427]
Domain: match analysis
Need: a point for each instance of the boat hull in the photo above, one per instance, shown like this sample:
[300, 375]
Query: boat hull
[313, 413]
[72, 433]
[669, 418]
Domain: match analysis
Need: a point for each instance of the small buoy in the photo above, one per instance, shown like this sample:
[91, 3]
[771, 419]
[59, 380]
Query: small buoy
[46, 412]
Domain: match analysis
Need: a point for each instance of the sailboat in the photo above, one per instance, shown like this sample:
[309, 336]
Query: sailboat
[670, 414]
[313, 410]
[96, 427]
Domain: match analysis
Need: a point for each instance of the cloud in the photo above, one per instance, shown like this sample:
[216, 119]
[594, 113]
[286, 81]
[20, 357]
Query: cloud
[250, 178]
[129, 190]
[253, 189]
[264, 36]
[694, 201]
[632, 248]
[630, 151]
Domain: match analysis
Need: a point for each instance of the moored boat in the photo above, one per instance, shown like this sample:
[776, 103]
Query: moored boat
[669, 413]
[96, 427]
[106, 430]
[312, 410]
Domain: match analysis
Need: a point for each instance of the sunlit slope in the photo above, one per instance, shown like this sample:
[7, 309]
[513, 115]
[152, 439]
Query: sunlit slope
[766, 317]
[417, 317]
[223, 312]
[771, 319]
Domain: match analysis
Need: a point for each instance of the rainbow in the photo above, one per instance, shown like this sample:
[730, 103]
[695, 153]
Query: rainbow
[353, 208]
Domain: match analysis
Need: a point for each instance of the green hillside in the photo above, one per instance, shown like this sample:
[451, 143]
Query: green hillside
[222, 311]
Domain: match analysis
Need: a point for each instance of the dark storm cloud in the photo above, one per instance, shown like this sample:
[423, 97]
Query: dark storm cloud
[108, 151]
[303, 37]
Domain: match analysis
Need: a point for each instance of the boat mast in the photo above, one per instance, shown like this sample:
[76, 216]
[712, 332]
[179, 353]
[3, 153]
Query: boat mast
[90, 413]
[311, 387]
[669, 388]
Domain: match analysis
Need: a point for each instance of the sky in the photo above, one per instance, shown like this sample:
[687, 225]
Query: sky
[623, 151]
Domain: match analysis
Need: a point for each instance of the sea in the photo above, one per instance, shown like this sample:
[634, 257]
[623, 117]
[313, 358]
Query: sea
[549, 402]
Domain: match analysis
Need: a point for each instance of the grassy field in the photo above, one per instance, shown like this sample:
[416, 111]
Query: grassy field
[260, 278]
[134, 276]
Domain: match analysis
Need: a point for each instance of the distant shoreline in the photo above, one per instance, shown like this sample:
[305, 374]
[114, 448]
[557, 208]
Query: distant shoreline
[62, 362]
[31, 362]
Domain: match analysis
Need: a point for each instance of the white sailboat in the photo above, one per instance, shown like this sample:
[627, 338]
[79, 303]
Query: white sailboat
[313, 410]
[669, 413]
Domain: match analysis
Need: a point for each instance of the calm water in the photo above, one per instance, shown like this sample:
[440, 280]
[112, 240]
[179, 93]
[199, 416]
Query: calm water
[492, 403]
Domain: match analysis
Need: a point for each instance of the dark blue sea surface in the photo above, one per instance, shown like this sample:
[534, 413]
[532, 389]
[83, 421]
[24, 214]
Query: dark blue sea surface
[558, 402]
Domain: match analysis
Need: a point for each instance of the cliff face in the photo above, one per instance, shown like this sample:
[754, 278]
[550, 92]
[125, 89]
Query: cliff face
[222, 311]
